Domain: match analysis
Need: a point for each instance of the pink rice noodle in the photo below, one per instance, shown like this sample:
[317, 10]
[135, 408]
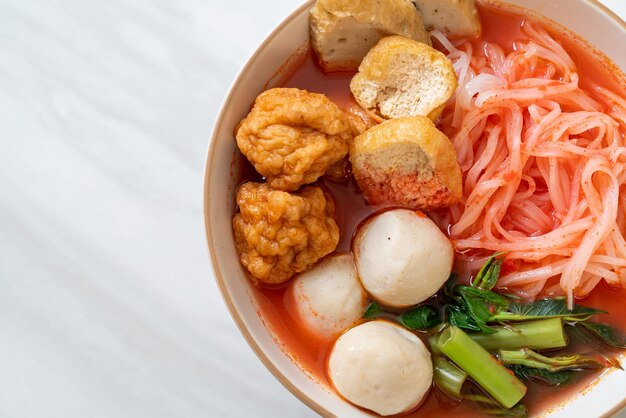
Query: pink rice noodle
[544, 162]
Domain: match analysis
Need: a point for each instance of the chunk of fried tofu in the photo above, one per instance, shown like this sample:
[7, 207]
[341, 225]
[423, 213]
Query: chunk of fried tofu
[455, 18]
[406, 162]
[342, 31]
[402, 77]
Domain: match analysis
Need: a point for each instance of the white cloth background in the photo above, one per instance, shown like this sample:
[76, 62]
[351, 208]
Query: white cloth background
[107, 303]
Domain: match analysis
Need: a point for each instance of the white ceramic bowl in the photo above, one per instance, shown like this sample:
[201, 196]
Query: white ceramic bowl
[603, 29]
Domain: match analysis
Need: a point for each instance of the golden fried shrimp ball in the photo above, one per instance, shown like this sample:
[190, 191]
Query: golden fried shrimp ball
[291, 136]
[279, 234]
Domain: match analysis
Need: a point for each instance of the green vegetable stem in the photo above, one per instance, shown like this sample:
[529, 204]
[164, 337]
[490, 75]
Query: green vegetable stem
[542, 334]
[545, 308]
[481, 366]
[529, 358]
[448, 377]
[489, 273]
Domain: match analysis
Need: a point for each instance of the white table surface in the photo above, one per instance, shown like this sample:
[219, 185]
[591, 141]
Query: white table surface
[108, 307]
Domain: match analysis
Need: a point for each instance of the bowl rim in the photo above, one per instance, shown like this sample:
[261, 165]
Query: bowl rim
[252, 342]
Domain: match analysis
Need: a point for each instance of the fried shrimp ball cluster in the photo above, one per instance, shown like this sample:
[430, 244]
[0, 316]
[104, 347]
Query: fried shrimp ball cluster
[292, 136]
[279, 234]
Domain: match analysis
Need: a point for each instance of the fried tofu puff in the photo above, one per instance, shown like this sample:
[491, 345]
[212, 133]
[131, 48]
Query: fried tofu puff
[342, 31]
[455, 18]
[279, 234]
[403, 77]
[406, 162]
[292, 136]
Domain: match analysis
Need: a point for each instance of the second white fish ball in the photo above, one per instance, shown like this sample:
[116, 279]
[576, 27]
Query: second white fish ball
[329, 298]
[402, 257]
